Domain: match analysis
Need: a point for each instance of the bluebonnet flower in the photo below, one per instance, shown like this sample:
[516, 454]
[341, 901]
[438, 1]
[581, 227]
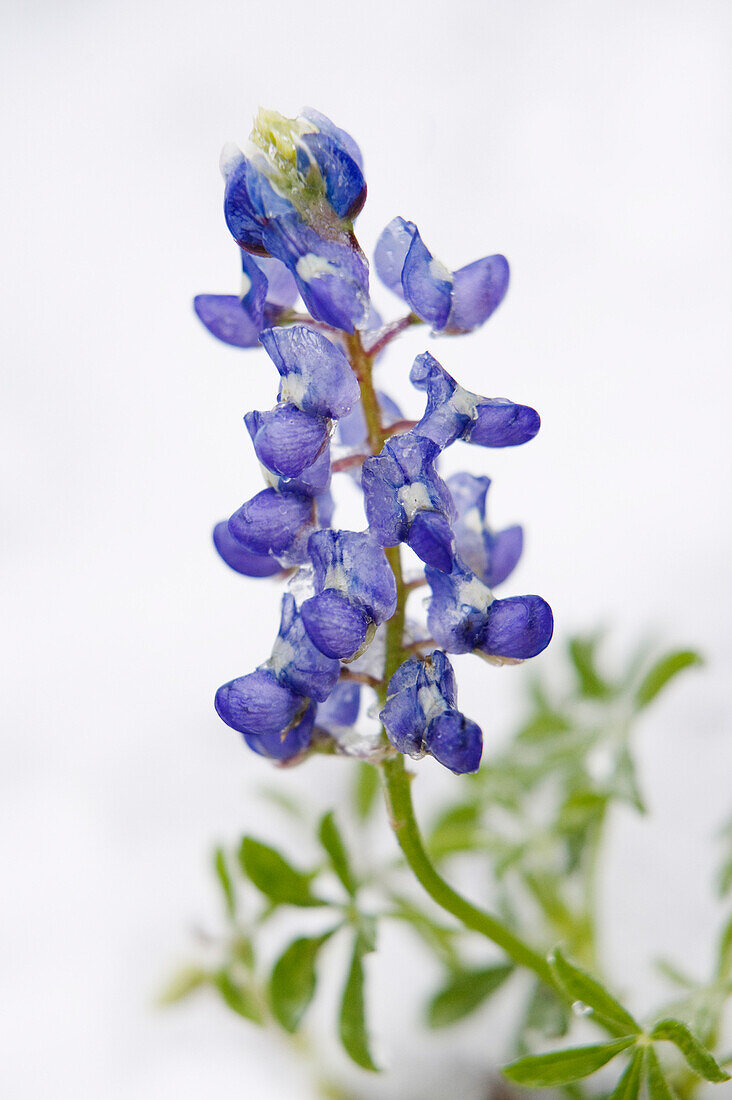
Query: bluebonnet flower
[278, 523]
[464, 616]
[315, 374]
[451, 301]
[273, 706]
[454, 413]
[491, 555]
[406, 500]
[421, 715]
[240, 559]
[275, 721]
[355, 590]
[295, 199]
[268, 291]
[352, 430]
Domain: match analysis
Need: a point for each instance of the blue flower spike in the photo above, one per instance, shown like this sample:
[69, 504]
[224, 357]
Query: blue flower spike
[454, 413]
[453, 302]
[492, 555]
[421, 715]
[355, 590]
[290, 204]
[406, 500]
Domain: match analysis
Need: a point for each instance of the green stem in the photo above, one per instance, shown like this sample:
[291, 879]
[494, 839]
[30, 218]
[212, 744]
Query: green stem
[395, 778]
[396, 784]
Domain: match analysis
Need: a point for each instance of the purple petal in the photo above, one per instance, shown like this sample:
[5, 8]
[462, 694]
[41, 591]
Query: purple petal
[432, 540]
[281, 287]
[335, 625]
[286, 439]
[254, 288]
[478, 290]
[341, 708]
[325, 126]
[258, 704]
[270, 522]
[504, 551]
[316, 375]
[277, 747]
[391, 252]
[427, 285]
[242, 218]
[517, 627]
[345, 186]
[241, 559]
[455, 741]
[297, 662]
[226, 318]
[501, 423]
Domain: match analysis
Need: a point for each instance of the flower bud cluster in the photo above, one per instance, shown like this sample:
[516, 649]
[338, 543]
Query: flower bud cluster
[289, 203]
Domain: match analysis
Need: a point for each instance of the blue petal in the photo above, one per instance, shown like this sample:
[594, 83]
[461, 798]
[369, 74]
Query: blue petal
[316, 375]
[431, 538]
[254, 290]
[258, 704]
[391, 252]
[241, 559]
[281, 287]
[336, 626]
[341, 708]
[403, 720]
[271, 522]
[458, 608]
[313, 481]
[325, 126]
[226, 318]
[517, 627]
[297, 663]
[277, 747]
[286, 439]
[478, 290]
[345, 186]
[427, 285]
[504, 551]
[332, 275]
[455, 741]
[501, 423]
[242, 218]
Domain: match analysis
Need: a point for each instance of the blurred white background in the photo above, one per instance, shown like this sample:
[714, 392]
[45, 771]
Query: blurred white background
[590, 143]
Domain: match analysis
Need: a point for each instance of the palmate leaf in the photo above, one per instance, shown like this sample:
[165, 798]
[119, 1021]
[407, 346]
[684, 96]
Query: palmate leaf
[274, 876]
[628, 1087]
[561, 1067]
[581, 986]
[698, 1057]
[663, 671]
[352, 1019]
[464, 992]
[221, 870]
[237, 997]
[657, 1085]
[293, 980]
[332, 841]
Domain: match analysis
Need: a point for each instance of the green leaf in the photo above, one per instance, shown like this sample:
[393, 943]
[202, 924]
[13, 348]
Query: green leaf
[332, 841]
[658, 1086]
[663, 671]
[543, 725]
[724, 880]
[582, 656]
[221, 870]
[352, 1020]
[625, 783]
[437, 937]
[465, 991]
[580, 986]
[560, 1067]
[182, 985]
[365, 790]
[237, 997]
[547, 1013]
[724, 952]
[293, 979]
[698, 1057]
[628, 1087]
[274, 876]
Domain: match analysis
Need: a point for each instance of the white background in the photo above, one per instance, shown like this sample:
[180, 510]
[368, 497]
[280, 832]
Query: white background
[589, 142]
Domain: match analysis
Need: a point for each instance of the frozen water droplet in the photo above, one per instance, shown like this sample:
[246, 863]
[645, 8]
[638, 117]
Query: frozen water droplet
[581, 1009]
